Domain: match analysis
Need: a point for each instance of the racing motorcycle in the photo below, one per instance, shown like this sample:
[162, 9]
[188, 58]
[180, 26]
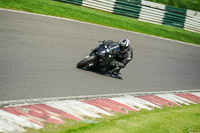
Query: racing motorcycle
[100, 57]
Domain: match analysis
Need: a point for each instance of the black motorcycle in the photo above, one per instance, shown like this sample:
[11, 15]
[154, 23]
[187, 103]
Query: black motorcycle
[100, 57]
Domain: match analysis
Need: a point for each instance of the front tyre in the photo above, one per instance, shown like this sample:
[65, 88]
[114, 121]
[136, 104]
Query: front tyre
[85, 62]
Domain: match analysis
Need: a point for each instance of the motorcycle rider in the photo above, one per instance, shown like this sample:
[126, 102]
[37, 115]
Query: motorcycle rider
[125, 55]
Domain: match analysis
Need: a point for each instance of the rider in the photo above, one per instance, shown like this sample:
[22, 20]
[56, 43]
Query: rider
[124, 57]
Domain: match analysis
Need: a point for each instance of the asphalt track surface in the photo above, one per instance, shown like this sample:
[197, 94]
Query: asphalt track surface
[38, 57]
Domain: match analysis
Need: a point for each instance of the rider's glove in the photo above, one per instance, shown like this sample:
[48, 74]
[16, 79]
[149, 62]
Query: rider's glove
[116, 64]
[107, 42]
[104, 41]
[113, 63]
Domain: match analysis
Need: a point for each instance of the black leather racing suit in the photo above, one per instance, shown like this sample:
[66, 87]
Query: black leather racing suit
[123, 58]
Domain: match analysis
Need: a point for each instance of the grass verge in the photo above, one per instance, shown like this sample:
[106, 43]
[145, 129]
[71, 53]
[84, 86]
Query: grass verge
[59, 9]
[184, 119]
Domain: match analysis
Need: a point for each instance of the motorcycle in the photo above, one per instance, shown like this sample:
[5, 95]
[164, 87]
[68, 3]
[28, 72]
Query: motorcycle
[100, 57]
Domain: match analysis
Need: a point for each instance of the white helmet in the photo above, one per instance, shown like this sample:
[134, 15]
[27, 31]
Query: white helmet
[124, 43]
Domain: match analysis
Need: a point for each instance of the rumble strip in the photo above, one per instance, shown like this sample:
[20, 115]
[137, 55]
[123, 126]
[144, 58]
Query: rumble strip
[34, 113]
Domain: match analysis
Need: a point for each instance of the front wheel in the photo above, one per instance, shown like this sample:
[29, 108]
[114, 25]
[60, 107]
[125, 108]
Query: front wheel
[85, 62]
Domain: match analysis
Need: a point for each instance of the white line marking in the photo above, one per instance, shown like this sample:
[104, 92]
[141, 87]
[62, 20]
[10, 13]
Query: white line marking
[42, 100]
[97, 25]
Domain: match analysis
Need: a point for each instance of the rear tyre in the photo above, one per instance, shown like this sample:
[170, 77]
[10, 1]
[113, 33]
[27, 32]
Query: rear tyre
[84, 62]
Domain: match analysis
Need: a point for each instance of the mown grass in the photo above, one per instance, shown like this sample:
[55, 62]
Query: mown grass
[184, 119]
[187, 4]
[55, 8]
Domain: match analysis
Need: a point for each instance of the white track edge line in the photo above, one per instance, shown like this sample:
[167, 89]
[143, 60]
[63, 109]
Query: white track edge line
[42, 100]
[67, 19]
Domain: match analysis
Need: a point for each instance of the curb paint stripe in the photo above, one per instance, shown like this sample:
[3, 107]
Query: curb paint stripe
[20, 113]
[6, 126]
[175, 99]
[136, 103]
[46, 116]
[55, 111]
[78, 109]
[120, 105]
[109, 105]
[196, 94]
[157, 100]
[38, 115]
[15, 118]
[190, 97]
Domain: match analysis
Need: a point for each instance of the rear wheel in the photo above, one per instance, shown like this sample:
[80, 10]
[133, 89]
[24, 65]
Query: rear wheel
[85, 62]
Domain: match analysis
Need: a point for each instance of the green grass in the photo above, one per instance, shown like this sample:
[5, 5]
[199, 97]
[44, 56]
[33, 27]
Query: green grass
[184, 119]
[55, 8]
[187, 4]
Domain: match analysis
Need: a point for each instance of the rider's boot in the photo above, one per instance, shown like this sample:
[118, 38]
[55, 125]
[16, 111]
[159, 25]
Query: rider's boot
[115, 71]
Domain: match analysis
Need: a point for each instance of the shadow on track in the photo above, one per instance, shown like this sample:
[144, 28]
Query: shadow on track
[104, 73]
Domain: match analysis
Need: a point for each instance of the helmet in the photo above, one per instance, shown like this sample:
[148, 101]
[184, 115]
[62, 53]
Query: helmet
[124, 44]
